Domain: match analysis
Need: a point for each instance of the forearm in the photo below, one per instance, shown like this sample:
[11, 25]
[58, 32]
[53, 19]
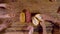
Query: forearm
[44, 27]
[50, 18]
[44, 30]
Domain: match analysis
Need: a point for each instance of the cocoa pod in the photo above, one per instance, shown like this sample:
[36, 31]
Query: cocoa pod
[28, 16]
[22, 17]
[36, 19]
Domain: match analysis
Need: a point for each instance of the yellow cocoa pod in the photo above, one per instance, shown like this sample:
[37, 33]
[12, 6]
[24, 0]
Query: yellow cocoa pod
[22, 17]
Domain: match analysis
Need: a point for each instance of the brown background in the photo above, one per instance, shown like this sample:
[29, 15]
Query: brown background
[34, 6]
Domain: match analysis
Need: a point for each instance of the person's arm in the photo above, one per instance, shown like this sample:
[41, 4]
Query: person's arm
[41, 22]
[44, 27]
[50, 18]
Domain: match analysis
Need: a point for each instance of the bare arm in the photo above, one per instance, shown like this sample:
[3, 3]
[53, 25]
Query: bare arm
[44, 27]
[50, 18]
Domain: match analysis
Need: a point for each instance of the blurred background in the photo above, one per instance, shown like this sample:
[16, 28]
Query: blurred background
[14, 7]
